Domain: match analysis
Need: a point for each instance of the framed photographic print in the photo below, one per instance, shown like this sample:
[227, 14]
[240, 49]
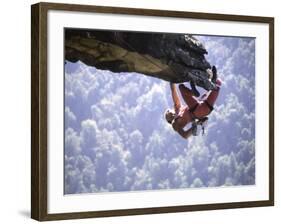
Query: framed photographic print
[138, 111]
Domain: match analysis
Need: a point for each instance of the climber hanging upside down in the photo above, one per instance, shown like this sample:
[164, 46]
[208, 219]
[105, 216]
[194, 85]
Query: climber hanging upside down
[196, 110]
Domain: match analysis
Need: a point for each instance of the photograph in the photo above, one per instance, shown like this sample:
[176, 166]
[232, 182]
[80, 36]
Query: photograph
[154, 111]
[140, 111]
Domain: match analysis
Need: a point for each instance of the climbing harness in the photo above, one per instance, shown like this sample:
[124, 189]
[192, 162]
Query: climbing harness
[202, 120]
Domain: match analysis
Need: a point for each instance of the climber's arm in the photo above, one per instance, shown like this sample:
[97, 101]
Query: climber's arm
[185, 134]
[176, 99]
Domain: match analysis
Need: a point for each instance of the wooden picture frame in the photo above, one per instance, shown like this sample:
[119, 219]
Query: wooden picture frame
[40, 102]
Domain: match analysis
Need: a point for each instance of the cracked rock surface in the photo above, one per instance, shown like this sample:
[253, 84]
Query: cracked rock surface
[172, 57]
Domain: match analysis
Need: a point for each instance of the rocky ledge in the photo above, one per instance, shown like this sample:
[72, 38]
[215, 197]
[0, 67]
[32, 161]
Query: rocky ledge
[172, 57]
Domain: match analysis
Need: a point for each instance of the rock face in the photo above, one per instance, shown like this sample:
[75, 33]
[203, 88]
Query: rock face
[172, 57]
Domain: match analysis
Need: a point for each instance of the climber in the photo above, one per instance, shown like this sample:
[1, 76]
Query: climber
[197, 109]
